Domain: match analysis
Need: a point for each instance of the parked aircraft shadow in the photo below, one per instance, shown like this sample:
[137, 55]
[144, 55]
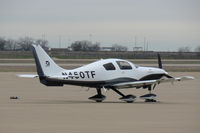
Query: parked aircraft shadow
[90, 102]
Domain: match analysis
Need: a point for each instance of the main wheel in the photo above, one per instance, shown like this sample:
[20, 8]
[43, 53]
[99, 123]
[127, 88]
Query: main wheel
[98, 98]
[129, 101]
[128, 98]
[98, 101]
[150, 100]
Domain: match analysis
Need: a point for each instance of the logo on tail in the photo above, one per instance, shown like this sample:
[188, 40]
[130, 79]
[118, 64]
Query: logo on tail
[47, 63]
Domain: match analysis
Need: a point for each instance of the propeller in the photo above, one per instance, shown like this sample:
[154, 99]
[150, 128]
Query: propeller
[159, 61]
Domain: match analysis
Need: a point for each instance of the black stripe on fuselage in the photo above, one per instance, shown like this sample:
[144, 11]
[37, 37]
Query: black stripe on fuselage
[95, 83]
[152, 77]
[106, 83]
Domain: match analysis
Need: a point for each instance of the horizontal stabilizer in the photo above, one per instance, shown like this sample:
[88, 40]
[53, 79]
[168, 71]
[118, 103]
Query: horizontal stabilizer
[57, 77]
[27, 75]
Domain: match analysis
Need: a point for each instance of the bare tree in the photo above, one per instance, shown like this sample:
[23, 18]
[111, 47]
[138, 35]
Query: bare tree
[25, 43]
[11, 44]
[77, 46]
[184, 49]
[2, 43]
[197, 49]
[94, 47]
[117, 47]
[85, 46]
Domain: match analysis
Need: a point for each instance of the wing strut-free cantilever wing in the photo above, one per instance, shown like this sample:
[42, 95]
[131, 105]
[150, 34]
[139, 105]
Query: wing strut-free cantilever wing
[133, 84]
[150, 82]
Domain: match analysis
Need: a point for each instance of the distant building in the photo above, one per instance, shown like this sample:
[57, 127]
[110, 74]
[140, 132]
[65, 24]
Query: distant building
[106, 49]
[60, 49]
[137, 48]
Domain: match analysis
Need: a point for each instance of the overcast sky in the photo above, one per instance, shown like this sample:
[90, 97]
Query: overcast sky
[166, 24]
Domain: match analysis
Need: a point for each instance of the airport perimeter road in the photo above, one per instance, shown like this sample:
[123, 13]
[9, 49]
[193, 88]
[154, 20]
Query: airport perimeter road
[42, 109]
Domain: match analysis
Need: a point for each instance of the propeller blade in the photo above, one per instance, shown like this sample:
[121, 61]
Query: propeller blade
[159, 61]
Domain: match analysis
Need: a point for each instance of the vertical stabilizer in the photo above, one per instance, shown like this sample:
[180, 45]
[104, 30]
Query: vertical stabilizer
[44, 64]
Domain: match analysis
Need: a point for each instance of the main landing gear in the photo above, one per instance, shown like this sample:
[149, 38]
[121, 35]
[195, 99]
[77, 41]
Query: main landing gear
[126, 98]
[149, 97]
[98, 97]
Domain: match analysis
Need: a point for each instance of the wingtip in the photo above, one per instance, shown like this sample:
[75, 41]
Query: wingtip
[187, 78]
[190, 77]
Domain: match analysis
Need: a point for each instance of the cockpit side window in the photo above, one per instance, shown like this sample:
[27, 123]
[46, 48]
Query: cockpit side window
[123, 65]
[109, 66]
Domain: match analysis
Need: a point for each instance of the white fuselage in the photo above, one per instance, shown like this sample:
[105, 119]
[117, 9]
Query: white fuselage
[97, 72]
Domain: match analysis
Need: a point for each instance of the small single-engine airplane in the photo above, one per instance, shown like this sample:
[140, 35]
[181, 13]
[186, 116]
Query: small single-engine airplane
[108, 74]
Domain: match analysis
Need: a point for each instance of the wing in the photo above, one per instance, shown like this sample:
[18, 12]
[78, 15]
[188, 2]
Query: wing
[27, 75]
[150, 82]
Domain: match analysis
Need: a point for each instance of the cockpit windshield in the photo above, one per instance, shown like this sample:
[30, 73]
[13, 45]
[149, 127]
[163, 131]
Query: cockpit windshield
[123, 65]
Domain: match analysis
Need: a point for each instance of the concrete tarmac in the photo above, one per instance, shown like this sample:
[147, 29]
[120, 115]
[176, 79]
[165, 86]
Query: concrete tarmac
[42, 109]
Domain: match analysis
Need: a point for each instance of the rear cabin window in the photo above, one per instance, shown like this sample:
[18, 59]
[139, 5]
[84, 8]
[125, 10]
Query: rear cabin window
[109, 66]
[123, 65]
